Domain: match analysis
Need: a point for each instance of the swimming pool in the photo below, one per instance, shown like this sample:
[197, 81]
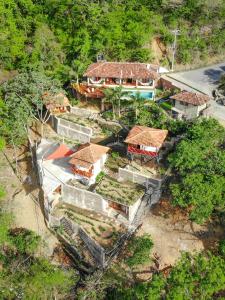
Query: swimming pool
[144, 94]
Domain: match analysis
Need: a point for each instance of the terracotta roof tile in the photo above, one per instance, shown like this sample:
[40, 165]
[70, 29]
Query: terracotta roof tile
[141, 135]
[191, 98]
[87, 154]
[122, 70]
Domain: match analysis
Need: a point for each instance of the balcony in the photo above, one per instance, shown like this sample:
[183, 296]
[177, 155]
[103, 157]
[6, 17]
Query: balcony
[87, 174]
[135, 150]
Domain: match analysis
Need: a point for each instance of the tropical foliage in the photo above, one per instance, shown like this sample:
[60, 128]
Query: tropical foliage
[199, 166]
[63, 38]
[199, 277]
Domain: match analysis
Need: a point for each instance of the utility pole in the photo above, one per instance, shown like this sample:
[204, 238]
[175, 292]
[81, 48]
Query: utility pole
[176, 32]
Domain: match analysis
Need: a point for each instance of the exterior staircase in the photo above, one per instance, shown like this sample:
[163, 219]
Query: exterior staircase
[65, 223]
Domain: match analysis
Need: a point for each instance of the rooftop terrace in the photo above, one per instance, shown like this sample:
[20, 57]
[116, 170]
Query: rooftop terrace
[126, 193]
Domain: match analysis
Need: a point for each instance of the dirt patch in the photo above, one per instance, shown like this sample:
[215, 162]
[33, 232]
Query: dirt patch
[18, 200]
[172, 233]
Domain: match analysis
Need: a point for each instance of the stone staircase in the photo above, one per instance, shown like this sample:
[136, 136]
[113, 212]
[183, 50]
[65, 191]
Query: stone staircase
[65, 223]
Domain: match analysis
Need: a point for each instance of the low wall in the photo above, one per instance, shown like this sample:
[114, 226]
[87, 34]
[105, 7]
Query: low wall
[125, 174]
[83, 199]
[75, 126]
[71, 130]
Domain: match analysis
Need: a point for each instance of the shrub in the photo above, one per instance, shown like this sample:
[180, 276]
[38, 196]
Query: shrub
[139, 247]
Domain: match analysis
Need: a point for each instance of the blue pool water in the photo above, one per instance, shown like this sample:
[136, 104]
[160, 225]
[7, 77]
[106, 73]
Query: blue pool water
[144, 94]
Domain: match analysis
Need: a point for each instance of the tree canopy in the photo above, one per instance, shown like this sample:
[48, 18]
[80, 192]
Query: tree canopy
[199, 277]
[199, 167]
[63, 38]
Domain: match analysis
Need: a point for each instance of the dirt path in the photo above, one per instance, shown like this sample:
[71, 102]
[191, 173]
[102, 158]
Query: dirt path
[26, 212]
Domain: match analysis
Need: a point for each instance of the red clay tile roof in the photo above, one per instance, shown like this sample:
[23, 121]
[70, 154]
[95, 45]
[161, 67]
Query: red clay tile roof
[191, 98]
[141, 135]
[122, 70]
[60, 152]
[87, 154]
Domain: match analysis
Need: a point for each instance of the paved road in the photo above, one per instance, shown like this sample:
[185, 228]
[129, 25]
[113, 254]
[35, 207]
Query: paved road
[204, 79]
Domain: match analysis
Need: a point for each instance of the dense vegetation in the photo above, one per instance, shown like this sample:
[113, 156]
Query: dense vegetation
[23, 274]
[62, 38]
[199, 277]
[199, 165]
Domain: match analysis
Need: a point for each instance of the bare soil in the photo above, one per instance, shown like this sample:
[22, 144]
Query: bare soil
[20, 199]
[172, 233]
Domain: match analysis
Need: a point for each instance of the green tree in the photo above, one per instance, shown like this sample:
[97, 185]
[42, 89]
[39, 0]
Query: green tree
[199, 168]
[137, 103]
[199, 277]
[117, 97]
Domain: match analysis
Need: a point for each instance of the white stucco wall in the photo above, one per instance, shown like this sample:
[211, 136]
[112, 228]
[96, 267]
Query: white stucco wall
[190, 111]
[133, 209]
[83, 199]
[97, 168]
[147, 148]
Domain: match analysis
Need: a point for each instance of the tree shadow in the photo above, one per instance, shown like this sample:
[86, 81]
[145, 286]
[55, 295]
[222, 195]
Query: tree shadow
[214, 75]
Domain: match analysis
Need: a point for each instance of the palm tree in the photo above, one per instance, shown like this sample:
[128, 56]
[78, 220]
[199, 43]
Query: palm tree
[137, 103]
[116, 97]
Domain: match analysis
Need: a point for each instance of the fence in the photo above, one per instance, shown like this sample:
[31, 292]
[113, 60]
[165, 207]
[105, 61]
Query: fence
[83, 199]
[71, 130]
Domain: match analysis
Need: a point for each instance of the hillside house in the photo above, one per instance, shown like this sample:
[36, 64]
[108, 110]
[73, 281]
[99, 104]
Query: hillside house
[188, 105]
[146, 141]
[58, 103]
[132, 77]
[88, 161]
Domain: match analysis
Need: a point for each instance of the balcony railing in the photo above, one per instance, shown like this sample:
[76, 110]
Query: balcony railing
[87, 174]
[135, 150]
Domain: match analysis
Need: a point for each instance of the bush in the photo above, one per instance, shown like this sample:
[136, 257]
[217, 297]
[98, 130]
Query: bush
[107, 115]
[115, 155]
[139, 248]
[100, 176]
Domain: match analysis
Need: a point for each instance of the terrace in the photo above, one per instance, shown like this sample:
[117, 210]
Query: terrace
[125, 193]
[101, 228]
[99, 130]
[149, 169]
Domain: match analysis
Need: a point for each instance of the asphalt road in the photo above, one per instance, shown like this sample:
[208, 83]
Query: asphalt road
[204, 79]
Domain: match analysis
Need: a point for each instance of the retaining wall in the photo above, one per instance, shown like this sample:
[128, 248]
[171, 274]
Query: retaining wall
[125, 174]
[71, 130]
[95, 249]
[83, 199]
